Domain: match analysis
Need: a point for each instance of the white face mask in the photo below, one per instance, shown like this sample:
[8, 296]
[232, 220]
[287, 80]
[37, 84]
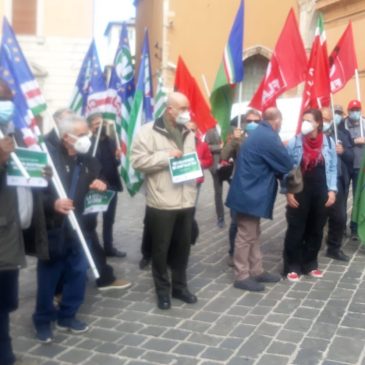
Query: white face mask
[307, 127]
[82, 144]
[183, 118]
[326, 126]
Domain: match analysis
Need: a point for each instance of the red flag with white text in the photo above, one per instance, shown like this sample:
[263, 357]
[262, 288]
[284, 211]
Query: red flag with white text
[342, 60]
[186, 84]
[287, 67]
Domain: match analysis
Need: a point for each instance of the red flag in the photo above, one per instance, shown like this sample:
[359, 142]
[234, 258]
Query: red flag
[186, 84]
[343, 61]
[287, 67]
[317, 86]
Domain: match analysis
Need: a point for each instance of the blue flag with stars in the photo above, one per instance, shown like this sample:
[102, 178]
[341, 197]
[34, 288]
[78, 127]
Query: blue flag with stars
[23, 118]
[22, 73]
[90, 90]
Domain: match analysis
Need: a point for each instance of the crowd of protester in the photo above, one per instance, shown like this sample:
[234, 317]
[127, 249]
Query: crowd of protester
[314, 169]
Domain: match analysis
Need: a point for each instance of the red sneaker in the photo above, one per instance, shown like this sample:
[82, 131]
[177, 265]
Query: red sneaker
[316, 274]
[293, 277]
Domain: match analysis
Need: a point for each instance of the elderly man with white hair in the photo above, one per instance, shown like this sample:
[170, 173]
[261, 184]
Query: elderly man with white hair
[79, 173]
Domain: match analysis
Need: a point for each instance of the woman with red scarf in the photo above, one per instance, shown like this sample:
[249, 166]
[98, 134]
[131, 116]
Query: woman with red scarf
[315, 155]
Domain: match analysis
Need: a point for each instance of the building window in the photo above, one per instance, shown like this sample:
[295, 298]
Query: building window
[24, 16]
[254, 71]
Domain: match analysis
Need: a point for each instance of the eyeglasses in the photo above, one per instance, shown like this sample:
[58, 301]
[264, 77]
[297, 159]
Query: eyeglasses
[252, 120]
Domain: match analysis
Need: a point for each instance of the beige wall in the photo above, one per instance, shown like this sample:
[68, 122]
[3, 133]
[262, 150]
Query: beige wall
[336, 19]
[198, 30]
[56, 53]
[68, 18]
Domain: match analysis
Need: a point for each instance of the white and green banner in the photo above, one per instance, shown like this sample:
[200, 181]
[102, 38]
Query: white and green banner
[185, 168]
[97, 202]
[34, 162]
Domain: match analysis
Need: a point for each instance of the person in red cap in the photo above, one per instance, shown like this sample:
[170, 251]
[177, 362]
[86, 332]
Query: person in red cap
[355, 124]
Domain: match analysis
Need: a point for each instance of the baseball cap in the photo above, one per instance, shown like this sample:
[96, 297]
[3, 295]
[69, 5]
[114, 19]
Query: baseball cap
[354, 104]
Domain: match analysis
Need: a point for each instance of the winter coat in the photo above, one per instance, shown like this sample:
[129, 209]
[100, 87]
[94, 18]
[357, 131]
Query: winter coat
[262, 160]
[12, 254]
[150, 155]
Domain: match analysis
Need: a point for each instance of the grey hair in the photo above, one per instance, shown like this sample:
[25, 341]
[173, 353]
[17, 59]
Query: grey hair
[62, 113]
[67, 125]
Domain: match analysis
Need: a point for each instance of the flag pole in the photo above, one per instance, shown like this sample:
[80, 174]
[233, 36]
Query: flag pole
[358, 93]
[333, 118]
[17, 162]
[239, 104]
[71, 216]
[97, 138]
[117, 141]
[207, 91]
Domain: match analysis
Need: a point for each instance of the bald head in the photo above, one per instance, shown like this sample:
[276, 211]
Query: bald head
[177, 103]
[273, 116]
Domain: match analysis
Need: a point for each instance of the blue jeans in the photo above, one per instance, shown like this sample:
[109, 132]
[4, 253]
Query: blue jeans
[8, 303]
[72, 268]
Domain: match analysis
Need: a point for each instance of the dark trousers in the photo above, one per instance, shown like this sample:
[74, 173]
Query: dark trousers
[9, 286]
[232, 232]
[337, 219]
[106, 271]
[354, 176]
[218, 195]
[146, 247]
[108, 222]
[171, 235]
[72, 268]
[305, 230]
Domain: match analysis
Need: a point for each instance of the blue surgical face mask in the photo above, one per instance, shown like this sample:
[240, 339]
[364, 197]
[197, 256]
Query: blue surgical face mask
[355, 115]
[337, 119]
[327, 126]
[6, 111]
[251, 127]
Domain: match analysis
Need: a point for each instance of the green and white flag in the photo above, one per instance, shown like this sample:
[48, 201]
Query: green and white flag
[141, 113]
[160, 98]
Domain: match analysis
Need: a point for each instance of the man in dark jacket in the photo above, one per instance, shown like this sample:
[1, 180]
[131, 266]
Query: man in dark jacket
[78, 173]
[12, 256]
[215, 145]
[355, 124]
[109, 157]
[337, 212]
[261, 161]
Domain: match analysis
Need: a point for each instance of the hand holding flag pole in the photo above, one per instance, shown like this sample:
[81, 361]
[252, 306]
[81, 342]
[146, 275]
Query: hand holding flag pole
[358, 93]
[16, 160]
[333, 114]
[97, 138]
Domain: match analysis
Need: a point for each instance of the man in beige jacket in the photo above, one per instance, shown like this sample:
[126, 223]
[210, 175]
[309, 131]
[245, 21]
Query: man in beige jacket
[169, 213]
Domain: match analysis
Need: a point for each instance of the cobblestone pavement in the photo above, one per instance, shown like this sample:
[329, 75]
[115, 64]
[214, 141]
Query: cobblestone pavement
[309, 322]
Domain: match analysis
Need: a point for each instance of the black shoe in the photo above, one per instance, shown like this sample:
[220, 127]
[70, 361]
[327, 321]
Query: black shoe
[163, 302]
[185, 296]
[337, 255]
[267, 277]
[354, 237]
[143, 264]
[115, 253]
[249, 284]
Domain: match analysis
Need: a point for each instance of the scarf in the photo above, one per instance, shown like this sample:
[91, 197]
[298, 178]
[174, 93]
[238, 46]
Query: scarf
[175, 134]
[312, 152]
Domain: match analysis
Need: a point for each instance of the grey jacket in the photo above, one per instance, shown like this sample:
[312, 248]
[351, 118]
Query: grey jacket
[214, 142]
[11, 239]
